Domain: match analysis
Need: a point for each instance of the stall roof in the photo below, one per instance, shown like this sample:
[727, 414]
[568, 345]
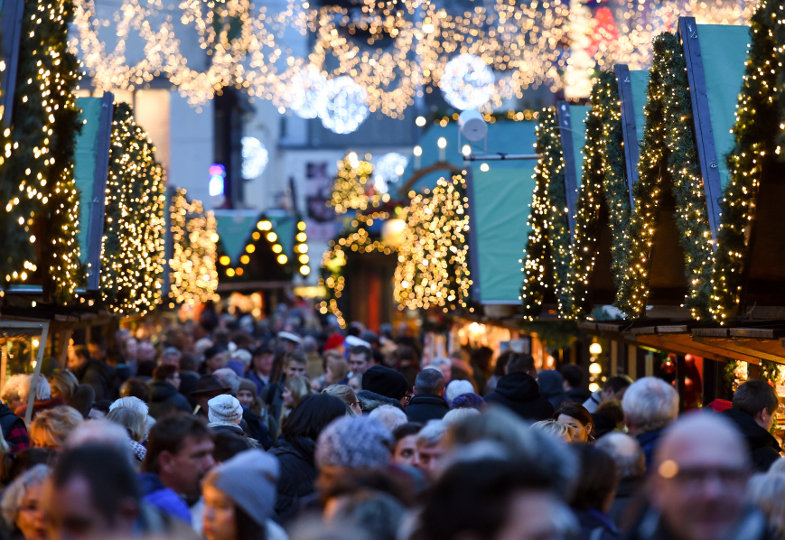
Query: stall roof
[499, 204]
[503, 136]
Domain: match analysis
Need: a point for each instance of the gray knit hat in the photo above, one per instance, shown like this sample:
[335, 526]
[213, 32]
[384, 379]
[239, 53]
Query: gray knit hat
[249, 479]
[224, 409]
[354, 441]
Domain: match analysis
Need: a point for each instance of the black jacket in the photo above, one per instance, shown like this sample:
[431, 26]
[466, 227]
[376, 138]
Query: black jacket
[764, 448]
[424, 407]
[100, 377]
[164, 398]
[297, 478]
[519, 393]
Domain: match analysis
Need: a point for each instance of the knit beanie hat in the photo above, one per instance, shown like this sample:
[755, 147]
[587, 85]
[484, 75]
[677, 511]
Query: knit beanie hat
[354, 441]
[130, 402]
[456, 388]
[469, 399]
[385, 381]
[224, 409]
[249, 479]
[248, 384]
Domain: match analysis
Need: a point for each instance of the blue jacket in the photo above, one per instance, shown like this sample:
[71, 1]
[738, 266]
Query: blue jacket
[156, 494]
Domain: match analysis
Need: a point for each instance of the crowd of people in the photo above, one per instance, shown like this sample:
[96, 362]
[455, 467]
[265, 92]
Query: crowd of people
[228, 428]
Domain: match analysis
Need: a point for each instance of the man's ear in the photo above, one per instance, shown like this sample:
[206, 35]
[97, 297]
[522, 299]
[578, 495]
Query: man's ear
[165, 462]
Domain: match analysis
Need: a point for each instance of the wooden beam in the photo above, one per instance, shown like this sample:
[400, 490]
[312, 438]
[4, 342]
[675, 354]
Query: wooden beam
[629, 130]
[11, 28]
[563, 116]
[736, 347]
[95, 225]
[704, 133]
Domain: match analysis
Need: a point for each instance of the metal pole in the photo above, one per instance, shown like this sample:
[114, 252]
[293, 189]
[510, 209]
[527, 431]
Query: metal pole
[501, 157]
[37, 372]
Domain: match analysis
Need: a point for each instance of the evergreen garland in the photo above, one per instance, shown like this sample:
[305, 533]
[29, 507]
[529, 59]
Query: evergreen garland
[44, 202]
[433, 265]
[669, 152]
[759, 116]
[133, 244]
[547, 247]
[604, 183]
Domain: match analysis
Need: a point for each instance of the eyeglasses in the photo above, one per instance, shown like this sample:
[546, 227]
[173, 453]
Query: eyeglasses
[695, 476]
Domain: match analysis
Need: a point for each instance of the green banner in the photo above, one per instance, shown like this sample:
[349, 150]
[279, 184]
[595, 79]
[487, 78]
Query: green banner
[578, 114]
[85, 157]
[724, 52]
[639, 81]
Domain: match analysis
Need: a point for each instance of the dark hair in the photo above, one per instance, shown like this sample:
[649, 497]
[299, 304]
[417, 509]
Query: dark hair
[14, 465]
[501, 363]
[98, 340]
[137, 388]
[163, 372]
[597, 479]
[473, 498]
[228, 445]
[481, 358]
[145, 368]
[82, 352]
[573, 409]
[188, 362]
[363, 350]
[429, 381]
[520, 363]
[617, 383]
[572, 374]
[607, 417]
[311, 416]
[755, 395]
[168, 435]
[107, 472]
[387, 481]
[404, 430]
[294, 357]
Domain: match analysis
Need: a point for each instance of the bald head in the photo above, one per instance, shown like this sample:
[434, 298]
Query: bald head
[699, 472]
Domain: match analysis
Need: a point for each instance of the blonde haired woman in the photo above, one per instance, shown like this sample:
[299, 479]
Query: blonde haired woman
[51, 427]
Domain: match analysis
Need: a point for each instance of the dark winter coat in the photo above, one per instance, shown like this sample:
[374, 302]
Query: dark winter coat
[424, 407]
[595, 525]
[14, 430]
[519, 393]
[371, 400]
[99, 376]
[297, 478]
[628, 501]
[648, 442]
[164, 398]
[764, 448]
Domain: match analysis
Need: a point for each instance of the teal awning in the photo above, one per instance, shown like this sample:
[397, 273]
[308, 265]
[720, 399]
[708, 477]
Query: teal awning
[500, 202]
[234, 228]
[639, 80]
[578, 114]
[724, 52]
[85, 161]
[503, 136]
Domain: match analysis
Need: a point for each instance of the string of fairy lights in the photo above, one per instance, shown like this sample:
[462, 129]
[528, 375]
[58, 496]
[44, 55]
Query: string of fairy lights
[603, 186]
[132, 255]
[433, 266]
[757, 154]
[194, 277]
[394, 51]
[669, 161]
[545, 259]
[42, 209]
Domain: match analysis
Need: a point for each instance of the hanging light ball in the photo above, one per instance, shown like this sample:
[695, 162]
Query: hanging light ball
[467, 82]
[306, 92]
[255, 157]
[391, 166]
[343, 105]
